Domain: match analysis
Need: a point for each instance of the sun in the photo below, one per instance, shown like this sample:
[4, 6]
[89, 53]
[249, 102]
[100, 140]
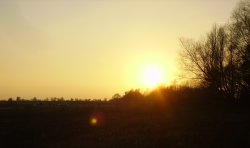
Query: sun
[152, 77]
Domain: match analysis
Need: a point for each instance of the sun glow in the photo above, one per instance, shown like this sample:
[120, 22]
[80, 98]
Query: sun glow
[152, 77]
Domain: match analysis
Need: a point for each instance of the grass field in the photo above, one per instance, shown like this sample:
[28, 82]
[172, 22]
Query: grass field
[206, 124]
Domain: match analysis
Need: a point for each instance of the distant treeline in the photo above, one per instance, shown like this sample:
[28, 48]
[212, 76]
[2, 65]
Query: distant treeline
[160, 95]
[53, 99]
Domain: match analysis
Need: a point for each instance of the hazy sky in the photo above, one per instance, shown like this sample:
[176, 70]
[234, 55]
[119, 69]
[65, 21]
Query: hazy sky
[95, 48]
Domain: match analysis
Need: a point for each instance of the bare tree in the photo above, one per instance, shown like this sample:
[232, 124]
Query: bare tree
[222, 60]
[240, 24]
[240, 41]
[205, 59]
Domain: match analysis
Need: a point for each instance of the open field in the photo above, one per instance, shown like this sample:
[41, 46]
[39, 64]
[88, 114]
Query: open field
[184, 68]
[175, 124]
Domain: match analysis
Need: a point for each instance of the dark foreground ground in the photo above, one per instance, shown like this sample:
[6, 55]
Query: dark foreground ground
[146, 125]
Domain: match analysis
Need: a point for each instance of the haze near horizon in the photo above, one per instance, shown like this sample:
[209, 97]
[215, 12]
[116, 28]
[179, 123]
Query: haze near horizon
[94, 49]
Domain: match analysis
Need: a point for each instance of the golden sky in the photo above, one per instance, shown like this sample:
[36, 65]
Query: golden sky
[96, 48]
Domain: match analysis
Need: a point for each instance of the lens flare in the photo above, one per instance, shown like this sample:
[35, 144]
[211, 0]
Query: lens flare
[97, 118]
[93, 121]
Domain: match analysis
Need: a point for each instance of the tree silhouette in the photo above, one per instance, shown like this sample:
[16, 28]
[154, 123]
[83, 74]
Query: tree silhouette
[245, 68]
[116, 96]
[205, 59]
[221, 60]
